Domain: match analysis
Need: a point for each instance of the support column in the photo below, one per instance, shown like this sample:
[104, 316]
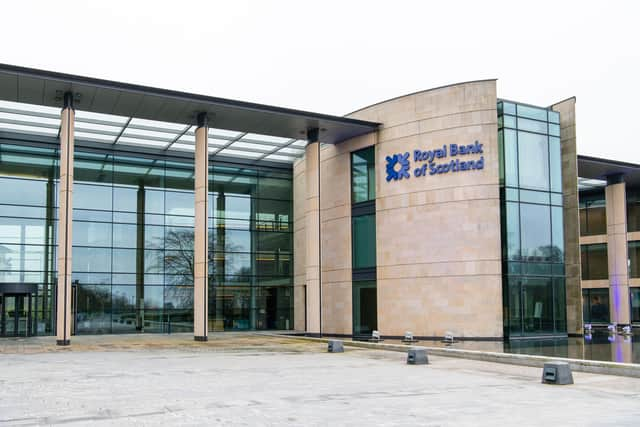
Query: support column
[201, 231]
[65, 215]
[312, 228]
[567, 110]
[617, 254]
[140, 264]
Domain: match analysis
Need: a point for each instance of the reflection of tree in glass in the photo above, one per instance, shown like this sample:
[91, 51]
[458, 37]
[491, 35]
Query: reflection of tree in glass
[179, 261]
[544, 253]
[5, 261]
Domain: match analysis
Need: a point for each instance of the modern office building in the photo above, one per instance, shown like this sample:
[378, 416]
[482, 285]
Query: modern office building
[126, 208]
[610, 240]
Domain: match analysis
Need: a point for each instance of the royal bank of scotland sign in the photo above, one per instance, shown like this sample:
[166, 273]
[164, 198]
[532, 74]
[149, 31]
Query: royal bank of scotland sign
[450, 158]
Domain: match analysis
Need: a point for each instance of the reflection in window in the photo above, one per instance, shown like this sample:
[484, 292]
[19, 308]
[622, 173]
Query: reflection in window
[533, 161]
[363, 181]
[593, 216]
[594, 262]
[121, 203]
[595, 305]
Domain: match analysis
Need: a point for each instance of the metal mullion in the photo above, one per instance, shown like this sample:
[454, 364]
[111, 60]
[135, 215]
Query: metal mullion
[228, 144]
[180, 135]
[124, 128]
[291, 141]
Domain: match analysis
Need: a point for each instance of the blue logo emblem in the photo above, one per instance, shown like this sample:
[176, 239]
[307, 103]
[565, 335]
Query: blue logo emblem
[396, 173]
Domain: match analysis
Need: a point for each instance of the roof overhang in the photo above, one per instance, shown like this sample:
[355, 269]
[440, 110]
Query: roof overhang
[32, 86]
[595, 168]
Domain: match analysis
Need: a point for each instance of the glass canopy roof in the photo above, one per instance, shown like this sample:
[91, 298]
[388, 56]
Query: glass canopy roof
[117, 131]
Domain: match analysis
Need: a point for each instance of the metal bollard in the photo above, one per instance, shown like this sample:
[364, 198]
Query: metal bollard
[417, 356]
[558, 373]
[335, 346]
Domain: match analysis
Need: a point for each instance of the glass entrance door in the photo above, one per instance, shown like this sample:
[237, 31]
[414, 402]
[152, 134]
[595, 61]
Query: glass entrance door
[15, 315]
[365, 318]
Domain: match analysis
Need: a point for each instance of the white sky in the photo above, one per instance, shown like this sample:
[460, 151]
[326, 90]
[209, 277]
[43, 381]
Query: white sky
[338, 56]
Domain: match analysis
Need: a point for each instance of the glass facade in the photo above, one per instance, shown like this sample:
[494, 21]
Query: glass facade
[595, 265]
[133, 235]
[593, 216]
[363, 242]
[532, 220]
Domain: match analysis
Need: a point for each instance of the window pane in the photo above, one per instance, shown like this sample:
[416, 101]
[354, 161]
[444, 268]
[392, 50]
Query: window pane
[511, 158]
[23, 191]
[635, 305]
[535, 223]
[96, 197]
[634, 259]
[532, 112]
[533, 161]
[91, 260]
[633, 210]
[595, 305]
[364, 241]
[125, 199]
[91, 234]
[557, 234]
[555, 163]
[363, 175]
[513, 231]
[537, 303]
[594, 262]
[532, 125]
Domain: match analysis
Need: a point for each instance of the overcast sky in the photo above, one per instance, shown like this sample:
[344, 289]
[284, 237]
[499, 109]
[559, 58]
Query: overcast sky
[338, 56]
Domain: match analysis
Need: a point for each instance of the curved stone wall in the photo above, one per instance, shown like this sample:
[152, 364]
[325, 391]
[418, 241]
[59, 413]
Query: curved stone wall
[438, 231]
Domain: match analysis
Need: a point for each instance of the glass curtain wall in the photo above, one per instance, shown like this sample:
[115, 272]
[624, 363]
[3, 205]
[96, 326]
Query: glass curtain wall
[133, 240]
[250, 249]
[28, 223]
[363, 242]
[532, 220]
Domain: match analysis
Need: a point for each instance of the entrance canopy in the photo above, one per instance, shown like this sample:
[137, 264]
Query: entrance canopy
[117, 114]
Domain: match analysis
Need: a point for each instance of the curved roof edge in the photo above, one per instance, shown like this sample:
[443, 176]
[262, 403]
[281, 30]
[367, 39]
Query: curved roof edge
[564, 100]
[420, 91]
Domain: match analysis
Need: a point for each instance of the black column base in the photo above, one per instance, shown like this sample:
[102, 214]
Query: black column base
[63, 342]
[200, 338]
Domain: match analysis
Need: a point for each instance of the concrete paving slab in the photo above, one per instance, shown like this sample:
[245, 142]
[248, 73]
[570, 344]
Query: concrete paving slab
[258, 380]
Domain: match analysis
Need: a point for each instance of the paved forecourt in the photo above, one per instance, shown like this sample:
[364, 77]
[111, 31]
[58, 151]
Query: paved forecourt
[241, 379]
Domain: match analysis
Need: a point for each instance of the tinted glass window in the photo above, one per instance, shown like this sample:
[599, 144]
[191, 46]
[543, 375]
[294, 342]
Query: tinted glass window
[363, 184]
[364, 241]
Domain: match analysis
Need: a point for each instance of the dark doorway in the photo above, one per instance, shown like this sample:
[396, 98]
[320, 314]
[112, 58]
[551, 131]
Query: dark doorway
[15, 315]
[365, 309]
